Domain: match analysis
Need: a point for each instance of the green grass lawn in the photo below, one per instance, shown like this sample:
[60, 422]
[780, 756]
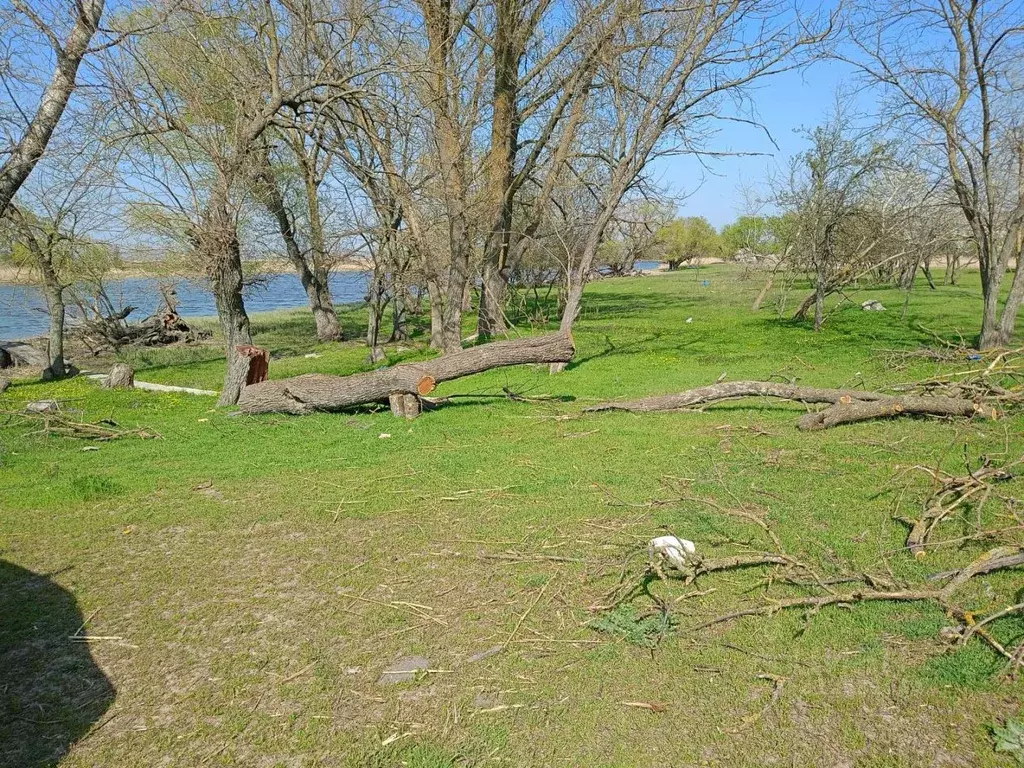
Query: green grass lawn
[252, 577]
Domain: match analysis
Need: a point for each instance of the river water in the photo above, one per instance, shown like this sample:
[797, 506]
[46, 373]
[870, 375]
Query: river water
[23, 310]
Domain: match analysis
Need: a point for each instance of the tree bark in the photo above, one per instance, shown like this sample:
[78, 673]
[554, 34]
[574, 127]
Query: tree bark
[33, 143]
[318, 392]
[56, 367]
[216, 239]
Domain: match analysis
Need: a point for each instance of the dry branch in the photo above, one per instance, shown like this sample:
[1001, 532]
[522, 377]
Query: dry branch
[733, 390]
[319, 392]
[848, 413]
[847, 405]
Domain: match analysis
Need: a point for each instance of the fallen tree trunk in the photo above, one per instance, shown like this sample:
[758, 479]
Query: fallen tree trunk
[320, 392]
[732, 390]
[847, 413]
[848, 405]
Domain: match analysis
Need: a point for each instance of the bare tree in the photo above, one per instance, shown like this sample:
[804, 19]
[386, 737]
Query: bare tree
[199, 94]
[826, 190]
[52, 227]
[68, 32]
[663, 82]
[951, 70]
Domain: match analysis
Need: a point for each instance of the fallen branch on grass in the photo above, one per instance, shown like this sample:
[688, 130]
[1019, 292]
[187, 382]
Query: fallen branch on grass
[952, 494]
[733, 390]
[907, 405]
[847, 405]
[320, 392]
[53, 423]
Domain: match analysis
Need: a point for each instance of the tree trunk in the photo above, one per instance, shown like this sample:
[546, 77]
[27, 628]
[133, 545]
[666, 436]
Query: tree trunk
[819, 302]
[375, 306]
[1012, 307]
[436, 314]
[990, 335]
[400, 312]
[216, 239]
[314, 279]
[493, 288]
[56, 367]
[32, 145]
[318, 392]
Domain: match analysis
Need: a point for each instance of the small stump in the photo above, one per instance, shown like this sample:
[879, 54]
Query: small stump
[121, 376]
[405, 405]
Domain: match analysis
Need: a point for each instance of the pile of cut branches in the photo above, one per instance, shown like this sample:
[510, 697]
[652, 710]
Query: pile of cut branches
[808, 590]
[56, 423]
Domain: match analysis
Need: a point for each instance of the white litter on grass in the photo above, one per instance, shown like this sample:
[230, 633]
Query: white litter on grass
[672, 549]
[312, 355]
[689, 319]
[872, 305]
[384, 435]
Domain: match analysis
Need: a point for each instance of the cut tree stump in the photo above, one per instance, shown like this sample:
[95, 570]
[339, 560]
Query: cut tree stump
[405, 405]
[250, 366]
[319, 392]
[847, 405]
[121, 376]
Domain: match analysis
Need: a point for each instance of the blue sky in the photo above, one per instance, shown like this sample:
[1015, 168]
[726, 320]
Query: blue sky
[784, 103]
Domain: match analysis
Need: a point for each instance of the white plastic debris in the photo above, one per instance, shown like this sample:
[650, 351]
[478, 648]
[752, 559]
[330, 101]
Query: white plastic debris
[872, 305]
[672, 549]
[312, 356]
[689, 319]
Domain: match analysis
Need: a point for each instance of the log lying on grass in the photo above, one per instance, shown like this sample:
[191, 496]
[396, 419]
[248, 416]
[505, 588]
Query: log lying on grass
[319, 392]
[732, 390]
[847, 405]
[907, 405]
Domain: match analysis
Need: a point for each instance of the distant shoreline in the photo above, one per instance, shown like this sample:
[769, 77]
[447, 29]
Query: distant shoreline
[12, 275]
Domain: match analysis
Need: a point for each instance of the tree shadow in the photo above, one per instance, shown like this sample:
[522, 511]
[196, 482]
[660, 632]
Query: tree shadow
[52, 692]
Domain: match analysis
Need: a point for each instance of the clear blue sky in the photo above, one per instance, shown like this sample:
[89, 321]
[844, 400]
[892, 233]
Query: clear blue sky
[784, 103]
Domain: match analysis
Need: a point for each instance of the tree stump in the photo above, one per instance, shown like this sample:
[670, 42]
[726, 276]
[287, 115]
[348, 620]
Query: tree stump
[405, 405]
[121, 376]
[250, 366]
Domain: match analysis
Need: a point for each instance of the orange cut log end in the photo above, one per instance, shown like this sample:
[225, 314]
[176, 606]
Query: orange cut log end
[426, 385]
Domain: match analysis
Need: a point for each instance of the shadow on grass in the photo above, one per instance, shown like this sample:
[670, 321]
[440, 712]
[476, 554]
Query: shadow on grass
[51, 690]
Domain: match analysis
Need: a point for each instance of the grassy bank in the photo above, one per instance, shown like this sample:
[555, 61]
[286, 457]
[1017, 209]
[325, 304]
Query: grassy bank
[255, 576]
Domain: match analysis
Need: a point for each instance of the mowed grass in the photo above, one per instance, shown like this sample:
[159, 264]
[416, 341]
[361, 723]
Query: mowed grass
[257, 574]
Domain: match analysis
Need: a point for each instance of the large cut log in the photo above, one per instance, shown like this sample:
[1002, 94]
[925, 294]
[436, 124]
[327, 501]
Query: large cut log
[847, 413]
[320, 392]
[733, 390]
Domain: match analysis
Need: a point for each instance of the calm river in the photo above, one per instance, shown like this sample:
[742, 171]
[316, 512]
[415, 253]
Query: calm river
[23, 311]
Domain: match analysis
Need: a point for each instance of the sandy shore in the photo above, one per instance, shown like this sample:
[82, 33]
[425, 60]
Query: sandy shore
[12, 275]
